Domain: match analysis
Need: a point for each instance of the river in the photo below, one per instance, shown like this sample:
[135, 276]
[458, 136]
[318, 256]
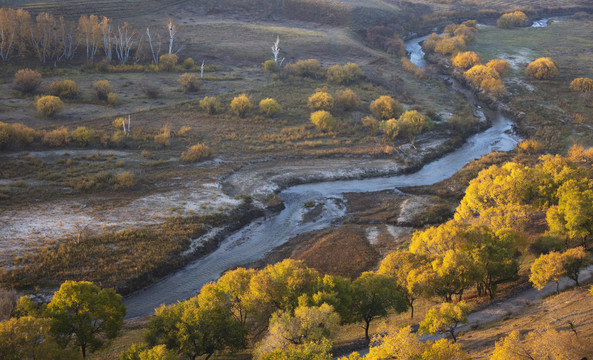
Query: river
[253, 241]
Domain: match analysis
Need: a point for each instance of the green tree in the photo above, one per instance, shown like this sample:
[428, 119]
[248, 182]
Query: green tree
[85, 314]
[573, 216]
[372, 296]
[445, 319]
[29, 338]
[399, 265]
[308, 324]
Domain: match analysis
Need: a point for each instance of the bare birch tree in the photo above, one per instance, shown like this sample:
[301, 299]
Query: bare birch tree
[8, 32]
[173, 30]
[106, 31]
[45, 37]
[90, 32]
[69, 41]
[155, 46]
[123, 41]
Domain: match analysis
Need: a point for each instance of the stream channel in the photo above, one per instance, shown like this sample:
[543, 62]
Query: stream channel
[253, 241]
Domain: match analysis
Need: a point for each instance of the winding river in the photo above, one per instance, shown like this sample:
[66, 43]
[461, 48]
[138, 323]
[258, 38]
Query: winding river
[253, 241]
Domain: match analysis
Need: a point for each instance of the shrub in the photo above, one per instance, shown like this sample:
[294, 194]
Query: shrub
[196, 152]
[584, 85]
[500, 66]
[16, 134]
[493, 86]
[189, 63]
[371, 123]
[542, 68]
[241, 105]
[462, 120]
[189, 82]
[118, 123]
[346, 74]
[450, 45]
[210, 104]
[269, 107]
[83, 135]
[164, 136]
[531, 146]
[112, 99]
[390, 128]
[322, 119]
[347, 99]
[151, 91]
[65, 89]
[466, 60]
[511, 20]
[270, 66]
[26, 80]
[467, 33]
[103, 88]
[321, 101]
[57, 137]
[167, 62]
[479, 73]
[49, 105]
[183, 131]
[385, 107]
[306, 68]
[125, 180]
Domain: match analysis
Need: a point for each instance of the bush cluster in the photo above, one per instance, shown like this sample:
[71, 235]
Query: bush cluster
[321, 100]
[27, 80]
[512, 20]
[49, 105]
[346, 74]
[543, 68]
[196, 152]
[65, 89]
[306, 68]
[189, 82]
[270, 107]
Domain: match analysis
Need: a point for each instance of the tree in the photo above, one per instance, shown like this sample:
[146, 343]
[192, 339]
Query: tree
[511, 20]
[546, 268]
[28, 337]
[307, 325]
[123, 41]
[90, 31]
[466, 60]
[141, 352]
[390, 128]
[412, 123]
[480, 73]
[385, 107]
[309, 351]
[543, 343]
[445, 319]
[321, 101]
[372, 296]
[167, 62]
[398, 265]
[102, 88]
[241, 105]
[194, 330]
[347, 99]
[323, 119]
[573, 260]
[543, 69]
[573, 216]
[86, 314]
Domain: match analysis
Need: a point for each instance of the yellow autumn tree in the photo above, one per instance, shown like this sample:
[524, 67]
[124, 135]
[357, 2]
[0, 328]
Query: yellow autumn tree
[501, 66]
[466, 60]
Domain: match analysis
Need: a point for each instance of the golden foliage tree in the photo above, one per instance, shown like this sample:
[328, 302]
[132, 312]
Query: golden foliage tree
[241, 105]
[543, 68]
[270, 107]
[466, 60]
[445, 319]
[323, 119]
[49, 105]
[385, 107]
[321, 100]
[501, 66]
[513, 19]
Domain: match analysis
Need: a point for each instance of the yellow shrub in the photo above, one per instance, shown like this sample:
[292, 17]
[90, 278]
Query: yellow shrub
[511, 20]
[83, 135]
[466, 60]
[371, 123]
[385, 107]
[306, 68]
[322, 119]
[189, 82]
[479, 73]
[347, 99]
[184, 131]
[493, 86]
[102, 88]
[164, 137]
[583, 85]
[321, 101]
[167, 62]
[16, 134]
[269, 107]
[542, 68]
[270, 66]
[189, 63]
[49, 105]
[125, 180]
[500, 66]
[26, 80]
[196, 152]
[531, 146]
[390, 128]
[58, 137]
[65, 89]
[346, 74]
[112, 99]
[241, 105]
[118, 123]
[210, 104]
[450, 45]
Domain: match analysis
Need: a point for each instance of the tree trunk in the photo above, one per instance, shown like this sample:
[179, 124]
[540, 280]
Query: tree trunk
[83, 348]
[412, 312]
[452, 332]
[366, 330]
[557, 287]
